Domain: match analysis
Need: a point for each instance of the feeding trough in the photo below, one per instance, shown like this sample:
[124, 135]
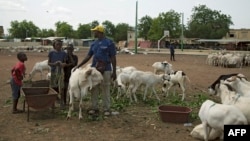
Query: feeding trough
[175, 114]
[38, 83]
[38, 98]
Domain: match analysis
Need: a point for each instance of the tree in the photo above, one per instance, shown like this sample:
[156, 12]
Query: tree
[144, 26]
[83, 31]
[23, 29]
[94, 23]
[63, 29]
[109, 29]
[121, 32]
[207, 23]
[46, 33]
[165, 21]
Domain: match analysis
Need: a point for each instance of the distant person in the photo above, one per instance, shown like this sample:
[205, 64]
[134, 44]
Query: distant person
[103, 52]
[171, 49]
[71, 62]
[17, 75]
[57, 60]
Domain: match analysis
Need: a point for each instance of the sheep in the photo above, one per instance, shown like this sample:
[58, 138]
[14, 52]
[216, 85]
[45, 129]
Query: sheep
[211, 88]
[82, 80]
[48, 76]
[122, 80]
[198, 133]
[229, 97]
[126, 51]
[39, 67]
[215, 116]
[162, 67]
[149, 79]
[178, 77]
[240, 84]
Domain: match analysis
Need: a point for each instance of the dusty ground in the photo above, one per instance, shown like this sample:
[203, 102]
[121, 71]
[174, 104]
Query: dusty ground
[137, 122]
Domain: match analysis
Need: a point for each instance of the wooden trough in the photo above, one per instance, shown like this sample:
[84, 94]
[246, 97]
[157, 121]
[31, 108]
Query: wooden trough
[38, 98]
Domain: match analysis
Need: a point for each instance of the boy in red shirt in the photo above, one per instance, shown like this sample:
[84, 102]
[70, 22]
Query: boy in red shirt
[17, 75]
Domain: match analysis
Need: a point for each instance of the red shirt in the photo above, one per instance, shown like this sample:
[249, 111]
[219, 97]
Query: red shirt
[18, 72]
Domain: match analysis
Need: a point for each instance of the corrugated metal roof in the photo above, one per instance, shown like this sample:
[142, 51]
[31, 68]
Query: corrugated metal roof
[223, 40]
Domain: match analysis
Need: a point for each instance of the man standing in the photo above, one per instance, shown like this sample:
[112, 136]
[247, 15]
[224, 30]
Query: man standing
[104, 52]
[171, 49]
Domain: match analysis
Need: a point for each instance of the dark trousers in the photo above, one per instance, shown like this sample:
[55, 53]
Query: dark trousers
[172, 57]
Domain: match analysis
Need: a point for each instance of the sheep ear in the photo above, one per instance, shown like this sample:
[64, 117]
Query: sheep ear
[88, 72]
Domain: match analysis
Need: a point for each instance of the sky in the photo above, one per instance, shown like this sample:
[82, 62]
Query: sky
[45, 13]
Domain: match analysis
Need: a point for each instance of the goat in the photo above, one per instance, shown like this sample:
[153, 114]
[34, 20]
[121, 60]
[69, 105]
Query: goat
[81, 80]
[215, 116]
[198, 133]
[229, 97]
[39, 67]
[162, 67]
[178, 77]
[149, 79]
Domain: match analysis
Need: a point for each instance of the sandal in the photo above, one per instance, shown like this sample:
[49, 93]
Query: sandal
[107, 113]
[17, 111]
[93, 112]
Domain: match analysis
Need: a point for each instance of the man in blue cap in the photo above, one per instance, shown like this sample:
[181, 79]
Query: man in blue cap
[104, 52]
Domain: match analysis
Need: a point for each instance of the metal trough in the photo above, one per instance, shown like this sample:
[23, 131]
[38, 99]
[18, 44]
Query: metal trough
[38, 98]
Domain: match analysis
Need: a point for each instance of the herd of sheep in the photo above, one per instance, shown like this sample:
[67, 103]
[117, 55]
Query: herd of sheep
[232, 89]
[228, 59]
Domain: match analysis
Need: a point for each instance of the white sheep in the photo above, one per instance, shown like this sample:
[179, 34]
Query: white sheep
[198, 133]
[39, 67]
[149, 79]
[229, 97]
[82, 80]
[176, 78]
[122, 79]
[211, 88]
[162, 67]
[215, 116]
[240, 85]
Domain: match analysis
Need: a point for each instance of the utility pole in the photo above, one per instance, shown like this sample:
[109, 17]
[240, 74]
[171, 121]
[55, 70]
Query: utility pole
[136, 27]
[27, 33]
[182, 17]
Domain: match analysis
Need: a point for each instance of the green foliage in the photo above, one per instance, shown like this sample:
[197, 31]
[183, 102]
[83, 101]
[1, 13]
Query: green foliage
[23, 29]
[144, 26]
[194, 103]
[207, 23]
[63, 29]
[83, 31]
[121, 32]
[109, 28]
[165, 21]
[46, 33]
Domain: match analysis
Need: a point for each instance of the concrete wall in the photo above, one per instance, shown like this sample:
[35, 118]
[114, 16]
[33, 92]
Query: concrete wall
[15, 44]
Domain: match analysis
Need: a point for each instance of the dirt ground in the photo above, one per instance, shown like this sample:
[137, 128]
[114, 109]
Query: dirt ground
[137, 122]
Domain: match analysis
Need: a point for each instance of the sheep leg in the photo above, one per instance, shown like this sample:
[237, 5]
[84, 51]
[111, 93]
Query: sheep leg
[145, 93]
[169, 87]
[71, 105]
[133, 92]
[183, 92]
[205, 128]
[153, 89]
[118, 92]
[80, 108]
[129, 94]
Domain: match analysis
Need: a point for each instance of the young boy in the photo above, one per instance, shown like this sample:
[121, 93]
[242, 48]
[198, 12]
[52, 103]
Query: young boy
[57, 60]
[17, 75]
[71, 62]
